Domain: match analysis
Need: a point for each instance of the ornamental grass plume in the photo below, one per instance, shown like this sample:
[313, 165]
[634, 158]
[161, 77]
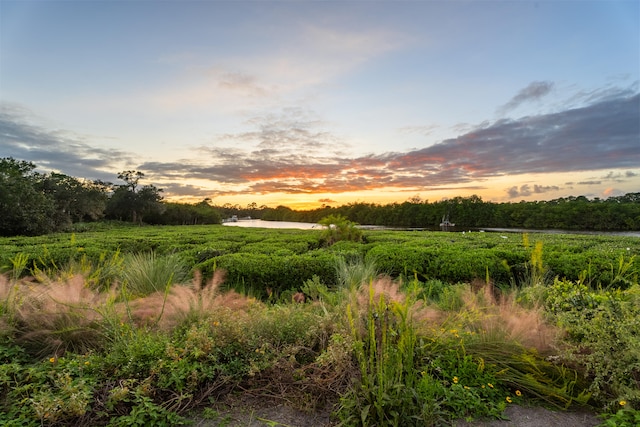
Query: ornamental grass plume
[10, 298]
[499, 315]
[187, 304]
[59, 316]
[387, 292]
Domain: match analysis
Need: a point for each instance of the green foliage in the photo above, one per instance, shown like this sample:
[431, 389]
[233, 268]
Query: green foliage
[32, 203]
[146, 273]
[465, 387]
[407, 344]
[48, 392]
[450, 263]
[351, 274]
[603, 328]
[315, 290]
[18, 265]
[131, 203]
[25, 209]
[279, 273]
[386, 392]
[622, 418]
[398, 253]
[145, 412]
[338, 227]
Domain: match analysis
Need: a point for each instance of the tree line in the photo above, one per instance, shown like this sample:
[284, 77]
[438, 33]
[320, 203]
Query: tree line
[34, 203]
[620, 213]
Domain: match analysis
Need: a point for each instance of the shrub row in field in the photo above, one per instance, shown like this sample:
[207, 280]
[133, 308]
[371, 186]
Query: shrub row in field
[284, 259]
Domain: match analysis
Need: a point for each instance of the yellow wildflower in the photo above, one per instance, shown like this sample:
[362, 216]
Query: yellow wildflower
[490, 385]
[623, 402]
[518, 393]
[455, 380]
[87, 363]
[52, 360]
[509, 399]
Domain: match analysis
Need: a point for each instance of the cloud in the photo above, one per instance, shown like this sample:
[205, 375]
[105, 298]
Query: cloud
[183, 190]
[526, 190]
[317, 55]
[58, 150]
[533, 92]
[611, 176]
[610, 192]
[326, 201]
[420, 130]
[292, 128]
[603, 135]
[293, 151]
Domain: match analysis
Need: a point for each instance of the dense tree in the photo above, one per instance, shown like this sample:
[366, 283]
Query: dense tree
[33, 203]
[24, 208]
[186, 214]
[570, 213]
[74, 200]
[130, 203]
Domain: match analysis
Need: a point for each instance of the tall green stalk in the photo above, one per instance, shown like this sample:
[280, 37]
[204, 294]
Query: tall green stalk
[385, 354]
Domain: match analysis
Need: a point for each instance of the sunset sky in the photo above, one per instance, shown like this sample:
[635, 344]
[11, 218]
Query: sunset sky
[304, 103]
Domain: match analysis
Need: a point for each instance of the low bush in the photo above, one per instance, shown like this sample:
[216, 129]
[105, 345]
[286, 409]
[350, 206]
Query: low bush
[603, 329]
[417, 350]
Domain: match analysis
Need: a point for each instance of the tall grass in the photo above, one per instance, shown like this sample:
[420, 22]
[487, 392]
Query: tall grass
[57, 317]
[146, 273]
[354, 273]
[181, 306]
[394, 354]
[385, 341]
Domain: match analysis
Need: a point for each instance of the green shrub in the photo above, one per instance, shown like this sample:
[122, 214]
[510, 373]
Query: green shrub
[146, 273]
[466, 388]
[355, 273]
[603, 328]
[259, 272]
[55, 391]
[622, 417]
[337, 228]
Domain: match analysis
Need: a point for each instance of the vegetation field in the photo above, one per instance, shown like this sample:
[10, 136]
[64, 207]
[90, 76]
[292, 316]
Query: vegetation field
[117, 324]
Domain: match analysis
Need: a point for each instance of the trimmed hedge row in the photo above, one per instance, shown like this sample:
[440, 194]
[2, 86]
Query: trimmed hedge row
[260, 272]
[284, 259]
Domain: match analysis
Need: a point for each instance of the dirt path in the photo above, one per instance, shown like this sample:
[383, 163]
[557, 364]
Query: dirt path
[251, 412]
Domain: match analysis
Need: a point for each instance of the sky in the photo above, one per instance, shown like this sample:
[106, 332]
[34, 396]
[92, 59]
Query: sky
[311, 103]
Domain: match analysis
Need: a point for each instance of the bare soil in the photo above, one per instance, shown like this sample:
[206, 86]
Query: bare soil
[249, 411]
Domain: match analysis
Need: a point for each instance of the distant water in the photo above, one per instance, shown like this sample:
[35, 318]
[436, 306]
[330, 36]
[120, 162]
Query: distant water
[272, 224]
[308, 226]
[552, 231]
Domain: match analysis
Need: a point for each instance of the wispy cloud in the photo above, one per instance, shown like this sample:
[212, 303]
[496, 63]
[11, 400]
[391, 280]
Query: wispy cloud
[294, 151]
[533, 92]
[59, 150]
[315, 57]
[526, 190]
